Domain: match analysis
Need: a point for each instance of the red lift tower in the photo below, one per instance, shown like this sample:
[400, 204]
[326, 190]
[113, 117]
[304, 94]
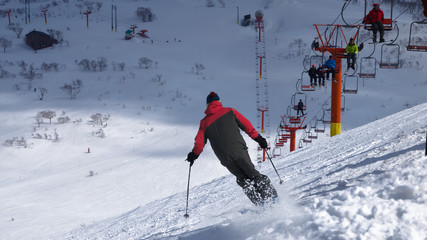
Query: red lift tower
[334, 41]
[45, 18]
[291, 124]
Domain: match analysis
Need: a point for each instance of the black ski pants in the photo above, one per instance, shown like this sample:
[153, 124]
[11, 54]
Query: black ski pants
[378, 26]
[257, 187]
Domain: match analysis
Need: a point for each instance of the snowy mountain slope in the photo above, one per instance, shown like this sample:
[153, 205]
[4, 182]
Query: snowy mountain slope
[366, 183]
[51, 187]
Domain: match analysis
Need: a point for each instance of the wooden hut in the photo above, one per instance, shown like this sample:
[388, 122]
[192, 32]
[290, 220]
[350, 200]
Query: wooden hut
[38, 40]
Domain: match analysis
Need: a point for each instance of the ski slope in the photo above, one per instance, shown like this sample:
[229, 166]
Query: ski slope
[368, 182]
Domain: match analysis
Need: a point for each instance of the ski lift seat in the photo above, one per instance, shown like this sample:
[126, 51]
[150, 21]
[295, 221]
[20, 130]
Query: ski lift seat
[350, 91]
[286, 135]
[417, 48]
[318, 130]
[280, 144]
[306, 141]
[295, 120]
[307, 88]
[387, 23]
[303, 107]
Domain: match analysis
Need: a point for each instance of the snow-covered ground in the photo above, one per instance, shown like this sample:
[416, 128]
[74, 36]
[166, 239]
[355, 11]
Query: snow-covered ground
[366, 183]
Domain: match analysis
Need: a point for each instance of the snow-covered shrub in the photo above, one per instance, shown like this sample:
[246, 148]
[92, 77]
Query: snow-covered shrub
[100, 133]
[16, 142]
[100, 119]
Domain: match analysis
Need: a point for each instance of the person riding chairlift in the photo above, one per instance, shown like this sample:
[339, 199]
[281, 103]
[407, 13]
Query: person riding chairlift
[376, 18]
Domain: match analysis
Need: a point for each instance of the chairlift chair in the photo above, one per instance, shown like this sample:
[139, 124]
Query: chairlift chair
[320, 130]
[389, 63]
[294, 101]
[300, 144]
[316, 60]
[420, 46]
[305, 82]
[312, 136]
[326, 116]
[277, 152]
[387, 23]
[368, 67]
[350, 86]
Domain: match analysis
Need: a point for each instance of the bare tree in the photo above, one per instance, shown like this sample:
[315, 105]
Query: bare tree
[72, 89]
[145, 14]
[102, 63]
[145, 61]
[4, 43]
[47, 114]
[198, 67]
[30, 75]
[16, 28]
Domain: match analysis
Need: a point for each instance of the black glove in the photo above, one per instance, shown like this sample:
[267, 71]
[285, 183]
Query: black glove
[262, 142]
[191, 157]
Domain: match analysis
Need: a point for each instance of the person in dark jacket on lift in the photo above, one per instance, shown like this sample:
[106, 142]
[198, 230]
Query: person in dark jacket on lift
[312, 72]
[300, 107]
[221, 126]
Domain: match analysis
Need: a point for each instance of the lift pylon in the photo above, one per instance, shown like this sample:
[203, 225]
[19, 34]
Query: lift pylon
[336, 47]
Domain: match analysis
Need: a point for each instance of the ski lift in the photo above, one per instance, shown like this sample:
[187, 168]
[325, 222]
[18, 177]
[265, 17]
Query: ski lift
[300, 144]
[351, 84]
[326, 119]
[277, 152]
[305, 83]
[420, 44]
[312, 135]
[295, 103]
[316, 60]
[294, 120]
[390, 54]
[387, 23]
[320, 130]
[368, 67]
[279, 144]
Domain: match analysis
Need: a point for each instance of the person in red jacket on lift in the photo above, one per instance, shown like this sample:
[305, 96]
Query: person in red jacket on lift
[376, 18]
[222, 126]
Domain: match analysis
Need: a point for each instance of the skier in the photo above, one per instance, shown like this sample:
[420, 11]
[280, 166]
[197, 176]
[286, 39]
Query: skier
[312, 72]
[221, 126]
[351, 51]
[300, 107]
[376, 18]
[330, 66]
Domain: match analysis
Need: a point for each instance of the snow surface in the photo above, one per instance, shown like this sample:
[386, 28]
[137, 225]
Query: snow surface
[369, 182]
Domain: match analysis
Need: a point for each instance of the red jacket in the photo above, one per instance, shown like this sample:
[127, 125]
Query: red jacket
[374, 16]
[222, 127]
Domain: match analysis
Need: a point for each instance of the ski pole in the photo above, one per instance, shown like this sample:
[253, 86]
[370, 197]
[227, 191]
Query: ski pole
[268, 155]
[188, 193]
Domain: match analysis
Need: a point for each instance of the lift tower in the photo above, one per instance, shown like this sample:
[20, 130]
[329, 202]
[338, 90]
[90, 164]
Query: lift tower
[334, 41]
